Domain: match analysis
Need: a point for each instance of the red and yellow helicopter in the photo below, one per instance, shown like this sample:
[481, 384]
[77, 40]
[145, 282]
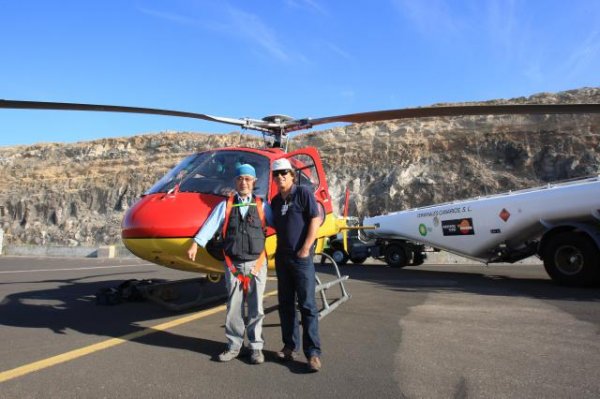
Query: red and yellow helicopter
[160, 226]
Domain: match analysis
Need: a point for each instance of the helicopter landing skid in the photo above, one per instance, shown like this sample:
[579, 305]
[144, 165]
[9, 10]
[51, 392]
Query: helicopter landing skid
[321, 289]
[169, 294]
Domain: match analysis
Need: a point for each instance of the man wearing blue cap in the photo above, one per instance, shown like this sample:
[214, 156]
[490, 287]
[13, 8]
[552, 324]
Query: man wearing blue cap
[242, 219]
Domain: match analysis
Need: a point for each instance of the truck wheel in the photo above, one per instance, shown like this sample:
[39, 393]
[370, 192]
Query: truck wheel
[418, 259]
[358, 260]
[395, 256]
[572, 259]
[339, 256]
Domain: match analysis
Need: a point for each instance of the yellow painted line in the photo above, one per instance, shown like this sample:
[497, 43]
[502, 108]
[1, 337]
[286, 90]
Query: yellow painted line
[109, 343]
[83, 269]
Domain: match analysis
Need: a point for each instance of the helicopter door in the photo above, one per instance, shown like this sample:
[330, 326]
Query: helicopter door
[309, 172]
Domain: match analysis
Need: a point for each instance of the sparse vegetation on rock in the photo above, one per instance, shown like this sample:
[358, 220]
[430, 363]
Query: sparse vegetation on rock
[76, 194]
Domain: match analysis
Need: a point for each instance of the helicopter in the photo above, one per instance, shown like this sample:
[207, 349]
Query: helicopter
[161, 225]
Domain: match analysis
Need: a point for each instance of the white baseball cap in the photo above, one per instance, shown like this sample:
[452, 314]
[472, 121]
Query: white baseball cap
[282, 164]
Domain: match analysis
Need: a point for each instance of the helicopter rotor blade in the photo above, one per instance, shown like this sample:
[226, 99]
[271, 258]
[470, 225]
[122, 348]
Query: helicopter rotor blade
[278, 126]
[458, 110]
[14, 104]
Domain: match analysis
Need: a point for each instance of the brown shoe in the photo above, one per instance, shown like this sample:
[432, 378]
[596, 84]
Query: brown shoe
[314, 364]
[286, 354]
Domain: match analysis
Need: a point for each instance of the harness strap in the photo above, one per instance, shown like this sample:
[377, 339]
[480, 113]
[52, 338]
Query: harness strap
[244, 280]
[228, 208]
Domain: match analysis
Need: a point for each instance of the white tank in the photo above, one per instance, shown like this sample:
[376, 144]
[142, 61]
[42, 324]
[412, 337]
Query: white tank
[476, 227]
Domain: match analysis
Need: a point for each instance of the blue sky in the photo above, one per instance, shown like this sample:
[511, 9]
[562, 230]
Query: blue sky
[305, 58]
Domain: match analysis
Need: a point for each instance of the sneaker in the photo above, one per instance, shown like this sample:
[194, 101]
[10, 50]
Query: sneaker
[228, 355]
[257, 357]
[286, 354]
[314, 364]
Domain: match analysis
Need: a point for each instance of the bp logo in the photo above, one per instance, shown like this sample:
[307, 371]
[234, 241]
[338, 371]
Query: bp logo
[422, 230]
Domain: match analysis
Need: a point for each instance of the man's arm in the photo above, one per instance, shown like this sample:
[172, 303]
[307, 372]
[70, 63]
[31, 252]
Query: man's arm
[208, 230]
[311, 235]
[311, 212]
[268, 214]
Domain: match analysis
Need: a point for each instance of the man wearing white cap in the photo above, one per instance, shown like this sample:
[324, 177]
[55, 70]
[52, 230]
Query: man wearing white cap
[242, 219]
[296, 220]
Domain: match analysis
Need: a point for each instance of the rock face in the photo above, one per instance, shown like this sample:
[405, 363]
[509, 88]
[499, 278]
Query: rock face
[76, 194]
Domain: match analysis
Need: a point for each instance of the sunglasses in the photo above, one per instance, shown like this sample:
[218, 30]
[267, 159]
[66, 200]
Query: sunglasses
[280, 173]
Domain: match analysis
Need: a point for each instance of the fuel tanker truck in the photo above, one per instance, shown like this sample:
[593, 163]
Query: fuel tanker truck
[559, 223]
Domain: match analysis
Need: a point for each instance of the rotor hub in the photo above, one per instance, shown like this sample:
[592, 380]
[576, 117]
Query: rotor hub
[277, 118]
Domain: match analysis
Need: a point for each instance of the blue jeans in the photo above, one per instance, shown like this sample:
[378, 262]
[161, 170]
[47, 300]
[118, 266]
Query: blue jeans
[296, 278]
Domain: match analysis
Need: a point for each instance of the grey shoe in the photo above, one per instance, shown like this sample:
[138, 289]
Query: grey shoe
[286, 355]
[257, 357]
[228, 355]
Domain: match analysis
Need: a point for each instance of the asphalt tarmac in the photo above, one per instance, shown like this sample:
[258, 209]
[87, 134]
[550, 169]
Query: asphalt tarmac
[433, 331]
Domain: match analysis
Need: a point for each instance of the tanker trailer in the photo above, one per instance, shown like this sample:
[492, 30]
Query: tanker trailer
[559, 223]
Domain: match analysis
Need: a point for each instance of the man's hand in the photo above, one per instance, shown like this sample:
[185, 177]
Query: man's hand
[303, 253]
[191, 253]
[310, 237]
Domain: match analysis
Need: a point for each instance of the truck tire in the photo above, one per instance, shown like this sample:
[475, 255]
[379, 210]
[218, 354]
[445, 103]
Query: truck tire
[358, 260]
[339, 256]
[418, 259]
[395, 256]
[572, 258]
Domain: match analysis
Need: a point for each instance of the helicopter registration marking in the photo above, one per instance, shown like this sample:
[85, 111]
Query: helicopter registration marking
[109, 343]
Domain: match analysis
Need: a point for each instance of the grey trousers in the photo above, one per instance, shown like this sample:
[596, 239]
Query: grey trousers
[236, 303]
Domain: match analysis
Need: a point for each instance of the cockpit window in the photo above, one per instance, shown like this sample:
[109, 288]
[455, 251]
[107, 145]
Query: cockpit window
[306, 171]
[213, 172]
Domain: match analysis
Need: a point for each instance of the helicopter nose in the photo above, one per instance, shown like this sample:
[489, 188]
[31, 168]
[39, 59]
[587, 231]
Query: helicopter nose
[168, 215]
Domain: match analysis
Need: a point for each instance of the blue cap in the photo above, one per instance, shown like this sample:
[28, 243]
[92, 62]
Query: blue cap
[245, 170]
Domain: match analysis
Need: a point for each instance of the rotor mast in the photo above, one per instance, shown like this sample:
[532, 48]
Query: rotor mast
[276, 126]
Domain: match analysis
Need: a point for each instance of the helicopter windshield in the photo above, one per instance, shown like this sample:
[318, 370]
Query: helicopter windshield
[213, 172]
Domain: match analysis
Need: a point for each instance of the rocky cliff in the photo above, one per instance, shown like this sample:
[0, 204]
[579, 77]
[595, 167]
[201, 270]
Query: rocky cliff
[76, 194]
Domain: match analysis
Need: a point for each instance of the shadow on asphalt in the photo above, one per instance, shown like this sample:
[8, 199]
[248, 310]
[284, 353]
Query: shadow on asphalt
[505, 281]
[213, 348]
[72, 305]
[482, 281]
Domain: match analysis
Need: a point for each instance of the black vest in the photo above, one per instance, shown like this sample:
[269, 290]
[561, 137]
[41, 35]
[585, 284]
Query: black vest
[245, 238]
